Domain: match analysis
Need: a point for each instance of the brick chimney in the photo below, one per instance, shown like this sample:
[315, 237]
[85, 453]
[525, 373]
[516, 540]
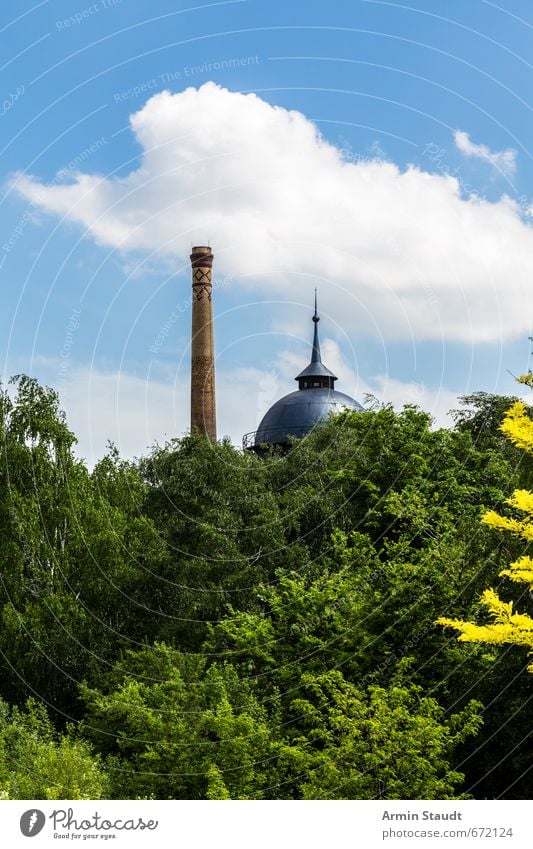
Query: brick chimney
[203, 403]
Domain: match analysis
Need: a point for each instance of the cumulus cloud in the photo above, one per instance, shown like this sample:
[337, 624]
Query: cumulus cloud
[503, 160]
[436, 401]
[135, 412]
[398, 253]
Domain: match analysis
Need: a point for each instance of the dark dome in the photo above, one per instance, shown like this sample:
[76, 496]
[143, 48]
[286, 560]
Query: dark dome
[299, 412]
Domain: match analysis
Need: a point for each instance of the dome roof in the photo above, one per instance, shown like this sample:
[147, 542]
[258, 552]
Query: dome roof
[299, 412]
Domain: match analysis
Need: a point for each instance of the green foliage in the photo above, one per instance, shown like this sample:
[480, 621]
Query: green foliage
[37, 763]
[226, 626]
[197, 731]
[223, 531]
[76, 554]
[481, 415]
[380, 744]
[201, 731]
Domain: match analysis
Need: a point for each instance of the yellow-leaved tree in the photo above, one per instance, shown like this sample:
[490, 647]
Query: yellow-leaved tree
[506, 625]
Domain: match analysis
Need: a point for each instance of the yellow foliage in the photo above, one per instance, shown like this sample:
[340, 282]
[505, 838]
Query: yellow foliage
[507, 626]
[502, 523]
[527, 379]
[518, 427]
[520, 571]
[522, 500]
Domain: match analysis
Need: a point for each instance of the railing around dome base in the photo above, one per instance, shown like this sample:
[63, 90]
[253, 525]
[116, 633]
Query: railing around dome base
[271, 436]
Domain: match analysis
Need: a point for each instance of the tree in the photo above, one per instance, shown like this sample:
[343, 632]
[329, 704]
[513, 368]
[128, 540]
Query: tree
[180, 726]
[235, 618]
[220, 523]
[38, 763]
[508, 626]
[76, 554]
[385, 743]
[481, 415]
[177, 727]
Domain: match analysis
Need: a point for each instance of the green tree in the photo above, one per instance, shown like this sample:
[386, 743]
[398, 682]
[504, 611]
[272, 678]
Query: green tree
[75, 554]
[38, 763]
[508, 626]
[220, 522]
[385, 743]
[180, 728]
[296, 596]
[202, 730]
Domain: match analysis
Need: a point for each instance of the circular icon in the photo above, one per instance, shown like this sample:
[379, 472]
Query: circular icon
[32, 822]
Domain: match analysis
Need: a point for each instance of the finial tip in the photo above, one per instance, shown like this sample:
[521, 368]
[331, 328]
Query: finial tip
[316, 316]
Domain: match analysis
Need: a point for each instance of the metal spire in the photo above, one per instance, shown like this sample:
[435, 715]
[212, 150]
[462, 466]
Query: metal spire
[316, 358]
[315, 375]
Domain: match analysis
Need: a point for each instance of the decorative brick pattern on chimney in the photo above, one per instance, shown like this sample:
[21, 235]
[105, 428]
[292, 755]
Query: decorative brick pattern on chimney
[203, 403]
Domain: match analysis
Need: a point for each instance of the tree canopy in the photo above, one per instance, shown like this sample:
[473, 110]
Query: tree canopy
[507, 626]
[205, 623]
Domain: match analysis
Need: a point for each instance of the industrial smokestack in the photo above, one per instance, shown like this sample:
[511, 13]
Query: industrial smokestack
[203, 404]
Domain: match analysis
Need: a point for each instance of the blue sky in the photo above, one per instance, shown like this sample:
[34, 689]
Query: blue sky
[410, 211]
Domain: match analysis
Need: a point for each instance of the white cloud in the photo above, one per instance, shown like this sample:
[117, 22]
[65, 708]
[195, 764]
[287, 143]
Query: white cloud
[503, 160]
[136, 411]
[401, 254]
[436, 401]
